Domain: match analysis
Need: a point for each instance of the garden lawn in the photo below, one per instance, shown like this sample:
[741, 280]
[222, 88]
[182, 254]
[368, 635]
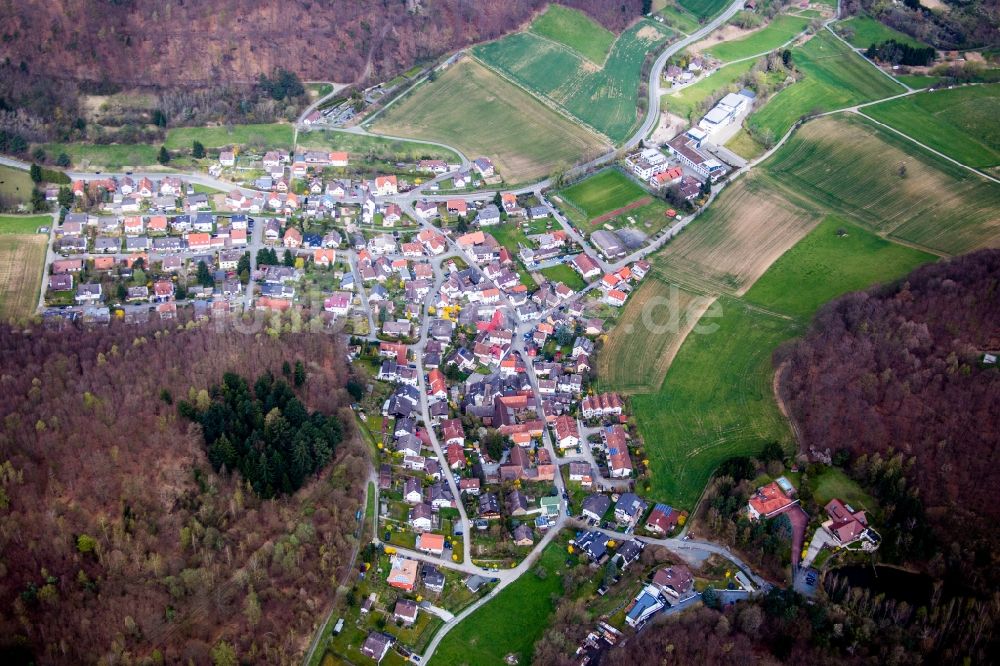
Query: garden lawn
[962, 123]
[274, 135]
[566, 275]
[703, 8]
[23, 224]
[111, 156]
[15, 184]
[605, 98]
[603, 192]
[479, 113]
[717, 399]
[360, 146]
[866, 31]
[576, 30]
[833, 77]
[779, 31]
[833, 483]
[687, 101]
[509, 623]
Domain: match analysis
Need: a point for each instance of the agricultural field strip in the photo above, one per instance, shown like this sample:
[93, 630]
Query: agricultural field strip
[931, 150]
[544, 99]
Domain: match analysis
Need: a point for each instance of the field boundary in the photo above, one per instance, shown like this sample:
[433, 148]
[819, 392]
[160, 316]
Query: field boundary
[545, 99]
[638, 203]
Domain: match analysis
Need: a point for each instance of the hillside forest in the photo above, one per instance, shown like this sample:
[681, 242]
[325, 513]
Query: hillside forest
[891, 382]
[201, 61]
[118, 541]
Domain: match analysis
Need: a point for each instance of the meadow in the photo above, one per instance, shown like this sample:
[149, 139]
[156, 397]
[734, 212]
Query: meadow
[685, 102]
[717, 399]
[870, 175]
[15, 184]
[655, 321]
[703, 8]
[576, 30]
[111, 156]
[734, 241]
[779, 31]
[23, 224]
[961, 122]
[479, 113]
[745, 145]
[361, 146]
[833, 77]
[857, 257]
[604, 98]
[605, 191]
[863, 31]
[274, 135]
[676, 16]
[512, 621]
[22, 260]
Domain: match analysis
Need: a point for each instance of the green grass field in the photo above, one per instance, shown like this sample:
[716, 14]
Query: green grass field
[961, 123]
[833, 77]
[479, 113]
[509, 623]
[703, 8]
[858, 258]
[362, 146]
[576, 30]
[111, 156]
[745, 145]
[566, 275]
[853, 168]
[863, 31]
[603, 192]
[918, 80]
[23, 224]
[717, 400]
[685, 102]
[605, 98]
[274, 135]
[783, 28]
[677, 17]
[15, 184]
[833, 483]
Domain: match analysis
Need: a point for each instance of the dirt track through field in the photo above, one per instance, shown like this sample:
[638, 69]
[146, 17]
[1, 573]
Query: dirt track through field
[619, 211]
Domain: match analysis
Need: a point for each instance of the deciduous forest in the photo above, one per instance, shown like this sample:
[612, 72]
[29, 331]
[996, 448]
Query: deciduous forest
[892, 381]
[118, 541]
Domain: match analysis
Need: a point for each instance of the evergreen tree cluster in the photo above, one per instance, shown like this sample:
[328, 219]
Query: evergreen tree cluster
[265, 433]
[281, 84]
[901, 54]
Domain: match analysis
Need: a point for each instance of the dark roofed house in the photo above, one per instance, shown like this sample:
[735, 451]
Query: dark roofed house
[405, 612]
[676, 581]
[523, 536]
[376, 646]
[595, 506]
[517, 503]
[628, 553]
[594, 544]
[432, 577]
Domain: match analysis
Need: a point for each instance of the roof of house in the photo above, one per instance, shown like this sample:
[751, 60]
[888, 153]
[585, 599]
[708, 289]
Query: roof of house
[770, 499]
